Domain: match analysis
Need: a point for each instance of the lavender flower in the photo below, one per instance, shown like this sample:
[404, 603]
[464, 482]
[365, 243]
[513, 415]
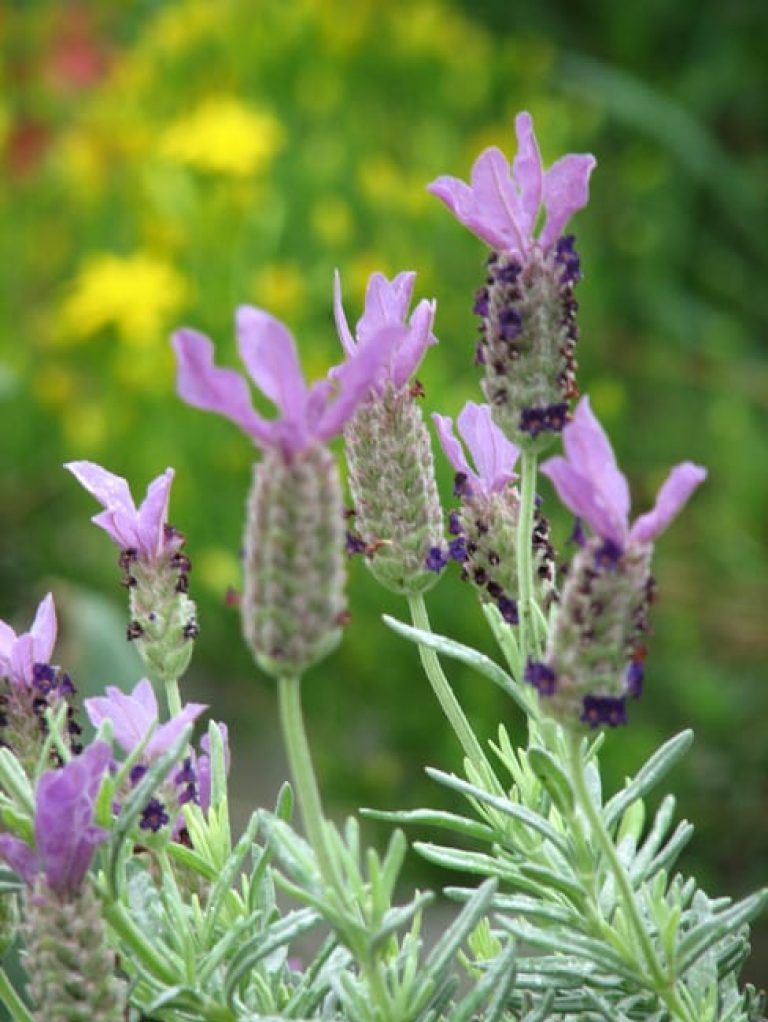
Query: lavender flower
[135, 715]
[527, 309]
[594, 656]
[20, 653]
[391, 472]
[486, 523]
[163, 617]
[589, 483]
[293, 599]
[65, 835]
[501, 206]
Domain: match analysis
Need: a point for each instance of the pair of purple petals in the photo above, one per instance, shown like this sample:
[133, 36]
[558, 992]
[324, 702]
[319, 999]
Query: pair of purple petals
[20, 653]
[494, 456]
[65, 834]
[501, 204]
[387, 346]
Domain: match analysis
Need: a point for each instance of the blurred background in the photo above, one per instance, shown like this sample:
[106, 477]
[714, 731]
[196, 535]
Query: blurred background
[164, 161]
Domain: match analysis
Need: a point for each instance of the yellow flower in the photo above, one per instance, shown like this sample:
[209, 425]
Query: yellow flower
[223, 135]
[331, 221]
[280, 288]
[136, 294]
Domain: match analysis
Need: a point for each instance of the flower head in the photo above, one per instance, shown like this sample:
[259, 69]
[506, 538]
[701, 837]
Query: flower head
[65, 835]
[502, 203]
[590, 484]
[20, 653]
[494, 456]
[308, 414]
[143, 530]
[134, 716]
[386, 305]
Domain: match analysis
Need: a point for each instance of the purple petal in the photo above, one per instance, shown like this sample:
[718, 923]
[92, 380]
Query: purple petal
[566, 190]
[526, 170]
[203, 385]
[164, 737]
[452, 449]
[64, 832]
[22, 660]
[675, 491]
[498, 202]
[419, 337]
[589, 452]
[43, 630]
[580, 496]
[20, 857]
[494, 456]
[355, 377]
[153, 515]
[132, 715]
[119, 517]
[7, 639]
[348, 342]
[269, 354]
[386, 303]
[204, 766]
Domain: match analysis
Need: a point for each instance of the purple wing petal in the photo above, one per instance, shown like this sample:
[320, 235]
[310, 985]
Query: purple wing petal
[20, 857]
[153, 514]
[419, 337]
[566, 190]
[22, 660]
[269, 354]
[386, 303]
[132, 716]
[452, 448]
[354, 378]
[7, 639]
[497, 201]
[348, 342]
[580, 496]
[526, 170]
[111, 491]
[494, 456]
[674, 492]
[43, 630]
[589, 452]
[168, 733]
[203, 385]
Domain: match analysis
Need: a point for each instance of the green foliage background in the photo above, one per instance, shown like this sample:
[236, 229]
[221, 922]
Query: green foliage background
[343, 111]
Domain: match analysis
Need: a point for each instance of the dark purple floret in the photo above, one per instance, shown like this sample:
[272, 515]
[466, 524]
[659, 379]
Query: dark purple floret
[454, 524]
[127, 557]
[191, 630]
[510, 324]
[182, 562]
[567, 257]
[436, 559]
[541, 676]
[507, 273]
[188, 795]
[607, 556]
[354, 544]
[551, 419]
[461, 485]
[508, 610]
[634, 678]
[608, 710]
[480, 308]
[136, 773]
[66, 685]
[153, 816]
[134, 631]
[479, 354]
[457, 549]
[43, 678]
[577, 536]
[182, 583]
[187, 773]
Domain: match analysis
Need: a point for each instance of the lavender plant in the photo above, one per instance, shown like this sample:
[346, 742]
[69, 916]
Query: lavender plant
[125, 886]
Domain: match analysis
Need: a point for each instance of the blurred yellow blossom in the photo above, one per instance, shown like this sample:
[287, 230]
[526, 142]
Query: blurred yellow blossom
[137, 294]
[280, 288]
[80, 159]
[331, 221]
[218, 569]
[223, 135]
[84, 426]
[55, 385]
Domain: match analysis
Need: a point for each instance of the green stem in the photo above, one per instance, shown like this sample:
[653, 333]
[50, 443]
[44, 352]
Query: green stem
[524, 555]
[442, 689]
[300, 760]
[173, 696]
[10, 998]
[659, 980]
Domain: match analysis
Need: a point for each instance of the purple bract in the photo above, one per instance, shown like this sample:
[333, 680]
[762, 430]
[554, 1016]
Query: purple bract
[386, 305]
[65, 835]
[308, 414]
[494, 456]
[589, 483]
[20, 653]
[144, 529]
[502, 203]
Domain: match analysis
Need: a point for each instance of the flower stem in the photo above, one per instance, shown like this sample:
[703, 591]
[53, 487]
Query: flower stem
[524, 557]
[173, 696]
[659, 979]
[300, 761]
[445, 696]
[10, 998]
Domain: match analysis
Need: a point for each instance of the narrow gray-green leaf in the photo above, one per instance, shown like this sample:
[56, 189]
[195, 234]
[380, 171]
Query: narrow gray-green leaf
[702, 937]
[648, 776]
[435, 818]
[553, 778]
